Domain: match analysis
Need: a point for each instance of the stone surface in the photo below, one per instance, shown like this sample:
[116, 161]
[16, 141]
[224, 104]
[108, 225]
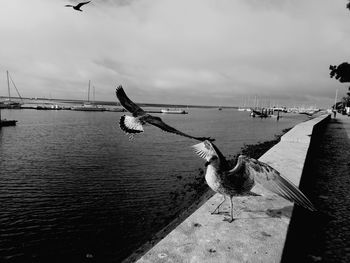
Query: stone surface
[324, 236]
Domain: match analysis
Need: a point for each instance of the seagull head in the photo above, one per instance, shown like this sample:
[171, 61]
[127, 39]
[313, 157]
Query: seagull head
[214, 160]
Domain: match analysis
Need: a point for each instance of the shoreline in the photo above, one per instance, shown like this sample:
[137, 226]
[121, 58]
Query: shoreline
[110, 103]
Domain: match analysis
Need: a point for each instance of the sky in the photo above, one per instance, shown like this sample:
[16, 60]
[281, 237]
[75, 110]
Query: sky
[197, 52]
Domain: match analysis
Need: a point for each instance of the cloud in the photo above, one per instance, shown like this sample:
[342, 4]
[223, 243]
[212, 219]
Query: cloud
[196, 51]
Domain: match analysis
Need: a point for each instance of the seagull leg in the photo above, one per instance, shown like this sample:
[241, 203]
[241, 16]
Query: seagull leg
[217, 208]
[230, 220]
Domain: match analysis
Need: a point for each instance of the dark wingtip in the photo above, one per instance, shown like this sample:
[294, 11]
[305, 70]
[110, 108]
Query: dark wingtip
[118, 89]
[207, 139]
[202, 139]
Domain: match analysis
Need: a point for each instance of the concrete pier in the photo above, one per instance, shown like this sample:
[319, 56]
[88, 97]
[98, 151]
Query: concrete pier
[324, 236]
[259, 233]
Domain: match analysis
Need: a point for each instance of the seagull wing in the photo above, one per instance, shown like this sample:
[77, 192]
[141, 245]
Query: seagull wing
[82, 3]
[271, 179]
[205, 150]
[127, 103]
[156, 121]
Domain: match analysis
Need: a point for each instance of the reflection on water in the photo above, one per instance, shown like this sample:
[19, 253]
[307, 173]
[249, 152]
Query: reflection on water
[74, 187]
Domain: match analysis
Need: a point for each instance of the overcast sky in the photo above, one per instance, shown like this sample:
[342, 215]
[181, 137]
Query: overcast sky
[211, 52]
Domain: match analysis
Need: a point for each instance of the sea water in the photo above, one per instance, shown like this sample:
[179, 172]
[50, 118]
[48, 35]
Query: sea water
[73, 187]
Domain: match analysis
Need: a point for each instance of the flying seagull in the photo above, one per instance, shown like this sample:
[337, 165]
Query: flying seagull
[77, 7]
[241, 179]
[133, 125]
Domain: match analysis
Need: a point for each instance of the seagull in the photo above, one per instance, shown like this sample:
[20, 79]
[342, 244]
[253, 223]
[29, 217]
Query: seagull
[134, 125]
[241, 179]
[77, 7]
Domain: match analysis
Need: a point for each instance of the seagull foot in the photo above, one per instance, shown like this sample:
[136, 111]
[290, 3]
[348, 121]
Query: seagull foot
[229, 219]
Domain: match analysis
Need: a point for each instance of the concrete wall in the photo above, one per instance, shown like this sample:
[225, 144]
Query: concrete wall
[259, 233]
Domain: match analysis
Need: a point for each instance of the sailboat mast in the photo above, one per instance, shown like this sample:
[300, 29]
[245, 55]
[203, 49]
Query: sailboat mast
[13, 83]
[8, 83]
[89, 92]
[93, 89]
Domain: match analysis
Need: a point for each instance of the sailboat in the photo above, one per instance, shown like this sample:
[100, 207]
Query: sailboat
[8, 103]
[241, 108]
[88, 106]
[244, 107]
[5, 122]
[173, 111]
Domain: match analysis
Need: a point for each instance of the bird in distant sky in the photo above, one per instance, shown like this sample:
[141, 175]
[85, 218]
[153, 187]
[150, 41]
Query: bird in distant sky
[133, 125]
[77, 7]
[241, 179]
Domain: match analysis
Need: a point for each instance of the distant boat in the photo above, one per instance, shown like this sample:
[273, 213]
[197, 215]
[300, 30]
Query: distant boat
[42, 107]
[260, 114]
[244, 107]
[117, 109]
[220, 108]
[56, 107]
[89, 106]
[282, 109]
[5, 122]
[49, 107]
[8, 103]
[173, 111]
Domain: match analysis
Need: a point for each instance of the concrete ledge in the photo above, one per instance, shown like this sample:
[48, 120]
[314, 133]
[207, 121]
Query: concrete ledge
[259, 233]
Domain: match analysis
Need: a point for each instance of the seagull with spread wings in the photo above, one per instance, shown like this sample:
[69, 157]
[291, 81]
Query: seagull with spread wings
[77, 7]
[134, 124]
[241, 179]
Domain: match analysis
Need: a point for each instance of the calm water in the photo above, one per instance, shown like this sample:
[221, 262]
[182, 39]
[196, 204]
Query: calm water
[74, 188]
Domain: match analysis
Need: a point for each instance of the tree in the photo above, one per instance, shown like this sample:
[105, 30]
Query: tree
[340, 72]
[346, 100]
